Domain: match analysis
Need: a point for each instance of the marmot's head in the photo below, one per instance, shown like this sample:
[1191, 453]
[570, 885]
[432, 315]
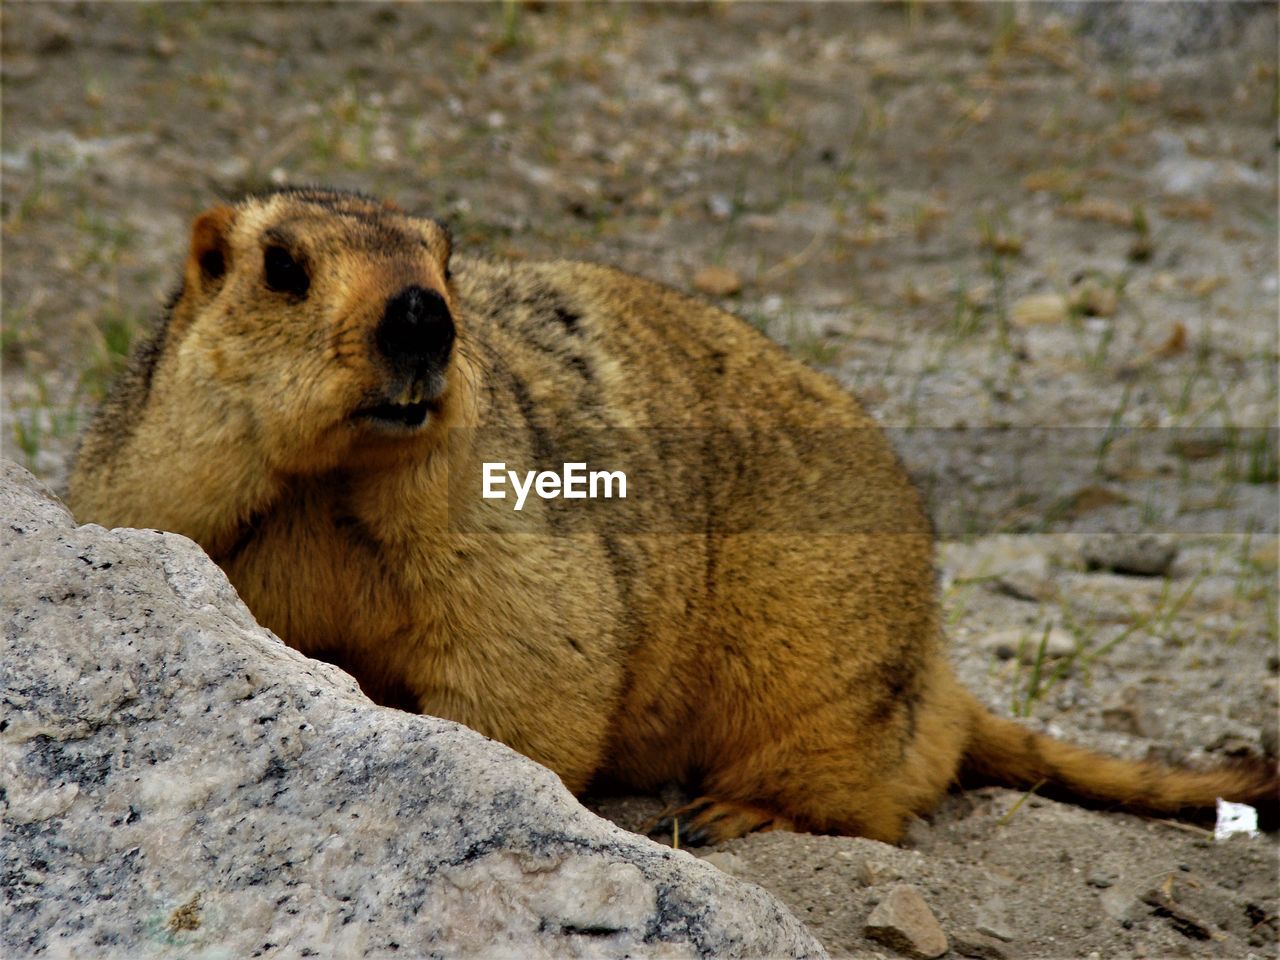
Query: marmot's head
[325, 318]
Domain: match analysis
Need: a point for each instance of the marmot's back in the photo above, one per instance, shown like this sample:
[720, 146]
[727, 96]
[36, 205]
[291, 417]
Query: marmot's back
[726, 412]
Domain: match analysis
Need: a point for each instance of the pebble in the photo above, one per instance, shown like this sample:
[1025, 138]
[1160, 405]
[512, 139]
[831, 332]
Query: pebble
[1005, 644]
[720, 206]
[872, 872]
[50, 32]
[1101, 210]
[1121, 905]
[164, 47]
[904, 922]
[1186, 176]
[1028, 580]
[717, 281]
[1270, 738]
[1124, 718]
[991, 920]
[1141, 556]
[971, 943]
[1094, 299]
[1039, 309]
[18, 68]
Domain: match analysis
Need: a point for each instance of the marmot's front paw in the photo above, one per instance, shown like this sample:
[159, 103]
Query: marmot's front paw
[708, 821]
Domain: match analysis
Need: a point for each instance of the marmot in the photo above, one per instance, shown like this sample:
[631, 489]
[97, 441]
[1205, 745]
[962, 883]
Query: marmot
[314, 409]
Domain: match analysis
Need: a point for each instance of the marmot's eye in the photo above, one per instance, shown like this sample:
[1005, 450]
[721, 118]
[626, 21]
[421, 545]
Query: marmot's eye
[283, 273]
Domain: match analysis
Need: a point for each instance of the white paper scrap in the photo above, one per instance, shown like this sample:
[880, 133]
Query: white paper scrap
[1235, 818]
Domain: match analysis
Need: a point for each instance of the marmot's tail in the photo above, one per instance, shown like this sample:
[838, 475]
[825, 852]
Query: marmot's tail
[1004, 753]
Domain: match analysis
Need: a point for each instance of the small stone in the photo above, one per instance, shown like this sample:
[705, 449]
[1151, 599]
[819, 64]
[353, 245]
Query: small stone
[872, 872]
[1230, 743]
[1270, 738]
[19, 68]
[232, 170]
[1121, 905]
[991, 920]
[1175, 343]
[1204, 286]
[1090, 498]
[1025, 644]
[1040, 309]
[1094, 299]
[904, 922]
[971, 943]
[1142, 249]
[1102, 879]
[980, 295]
[720, 206]
[53, 33]
[1140, 556]
[1101, 210]
[717, 281]
[164, 46]
[1028, 580]
[647, 200]
[1123, 718]
[1008, 244]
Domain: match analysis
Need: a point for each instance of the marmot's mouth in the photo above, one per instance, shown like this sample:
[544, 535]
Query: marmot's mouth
[396, 415]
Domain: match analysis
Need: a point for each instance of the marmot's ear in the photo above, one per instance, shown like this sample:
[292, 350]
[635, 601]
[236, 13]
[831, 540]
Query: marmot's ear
[210, 256]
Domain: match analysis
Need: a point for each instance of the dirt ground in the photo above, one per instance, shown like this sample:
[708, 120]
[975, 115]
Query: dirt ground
[1053, 274]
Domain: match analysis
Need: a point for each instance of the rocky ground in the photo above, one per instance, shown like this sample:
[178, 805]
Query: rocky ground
[1045, 257]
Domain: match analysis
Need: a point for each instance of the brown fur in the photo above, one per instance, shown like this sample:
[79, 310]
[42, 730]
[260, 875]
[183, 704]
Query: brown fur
[722, 638]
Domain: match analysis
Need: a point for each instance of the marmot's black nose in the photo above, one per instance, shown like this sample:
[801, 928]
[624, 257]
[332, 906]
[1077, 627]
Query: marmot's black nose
[416, 332]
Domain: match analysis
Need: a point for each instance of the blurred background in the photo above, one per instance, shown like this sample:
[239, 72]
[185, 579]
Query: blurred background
[975, 216]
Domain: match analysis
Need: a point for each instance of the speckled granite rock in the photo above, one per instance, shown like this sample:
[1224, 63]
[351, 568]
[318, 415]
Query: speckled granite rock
[177, 782]
[1145, 555]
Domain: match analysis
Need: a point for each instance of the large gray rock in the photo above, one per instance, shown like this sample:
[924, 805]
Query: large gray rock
[178, 782]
